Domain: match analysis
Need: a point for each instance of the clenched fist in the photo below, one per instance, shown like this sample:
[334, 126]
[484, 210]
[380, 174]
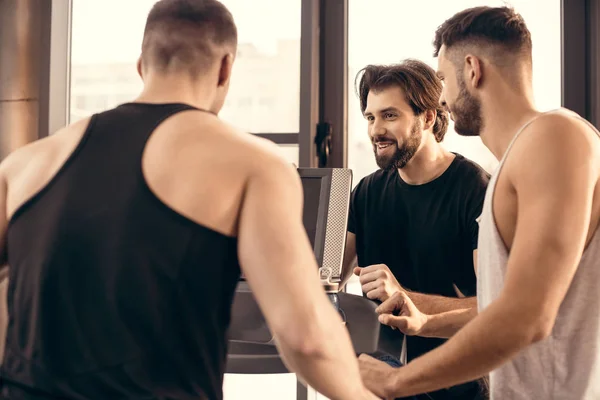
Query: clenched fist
[377, 281]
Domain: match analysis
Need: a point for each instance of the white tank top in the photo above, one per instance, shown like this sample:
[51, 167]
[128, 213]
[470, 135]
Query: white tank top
[566, 365]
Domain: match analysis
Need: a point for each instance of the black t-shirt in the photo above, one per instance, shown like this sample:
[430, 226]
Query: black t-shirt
[425, 234]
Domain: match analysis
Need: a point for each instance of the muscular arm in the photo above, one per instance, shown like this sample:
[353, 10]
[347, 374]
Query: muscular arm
[432, 304]
[279, 265]
[446, 324]
[553, 171]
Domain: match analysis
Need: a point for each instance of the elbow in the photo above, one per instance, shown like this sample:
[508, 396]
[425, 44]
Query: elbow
[301, 341]
[536, 329]
[295, 348]
[542, 329]
[309, 348]
[526, 323]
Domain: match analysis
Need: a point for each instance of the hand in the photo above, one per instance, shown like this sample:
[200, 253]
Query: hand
[377, 281]
[377, 376]
[409, 319]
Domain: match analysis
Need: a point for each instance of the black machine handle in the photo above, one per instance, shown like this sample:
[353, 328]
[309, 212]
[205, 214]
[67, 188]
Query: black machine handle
[323, 142]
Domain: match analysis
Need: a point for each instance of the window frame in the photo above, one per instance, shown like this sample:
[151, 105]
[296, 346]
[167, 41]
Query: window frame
[581, 91]
[54, 111]
[324, 72]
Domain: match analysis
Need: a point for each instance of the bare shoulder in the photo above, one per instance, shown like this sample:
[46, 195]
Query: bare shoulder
[43, 152]
[555, 143]
[259, 157]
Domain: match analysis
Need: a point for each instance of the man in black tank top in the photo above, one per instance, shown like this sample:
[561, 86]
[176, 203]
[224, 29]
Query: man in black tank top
[412, 224]
[125, 234]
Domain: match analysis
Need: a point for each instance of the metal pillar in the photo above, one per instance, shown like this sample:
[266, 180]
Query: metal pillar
[23, 61]
[20, 64]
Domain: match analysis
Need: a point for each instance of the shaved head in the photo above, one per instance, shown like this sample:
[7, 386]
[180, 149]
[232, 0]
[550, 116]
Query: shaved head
[498, 34]
[187, 36]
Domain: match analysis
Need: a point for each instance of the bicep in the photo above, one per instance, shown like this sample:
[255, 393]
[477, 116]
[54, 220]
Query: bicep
[274, 250]
[554, 188]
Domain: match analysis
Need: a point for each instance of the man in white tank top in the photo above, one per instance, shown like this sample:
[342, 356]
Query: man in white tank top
[537, 329]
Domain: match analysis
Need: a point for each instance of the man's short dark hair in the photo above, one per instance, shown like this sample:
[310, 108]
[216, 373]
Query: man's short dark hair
[485, 26]
[184, 34]
[421, 86]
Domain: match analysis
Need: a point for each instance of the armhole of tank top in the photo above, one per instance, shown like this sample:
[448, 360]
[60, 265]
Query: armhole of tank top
[176, 215]
[494, 179]
[37, 195]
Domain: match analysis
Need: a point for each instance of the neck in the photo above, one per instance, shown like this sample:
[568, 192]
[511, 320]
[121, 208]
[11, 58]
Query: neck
[504, 113]
[428, 163]
[174, 89]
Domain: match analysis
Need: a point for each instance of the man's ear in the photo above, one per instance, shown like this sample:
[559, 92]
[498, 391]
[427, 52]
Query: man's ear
[225, 69]
[473, 70]
[139, 67]
[430, 116]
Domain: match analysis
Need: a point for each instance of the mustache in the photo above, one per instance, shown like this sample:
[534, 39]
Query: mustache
[382, 139]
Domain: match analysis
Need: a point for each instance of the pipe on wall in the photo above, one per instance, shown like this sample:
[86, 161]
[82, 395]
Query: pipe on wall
[20, 67]
[23, 60]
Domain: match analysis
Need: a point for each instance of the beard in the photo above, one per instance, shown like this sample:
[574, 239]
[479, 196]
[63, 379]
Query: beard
[466, 112]
[404, 153]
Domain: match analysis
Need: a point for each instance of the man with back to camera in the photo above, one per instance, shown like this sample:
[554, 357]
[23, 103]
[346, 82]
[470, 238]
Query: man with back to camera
[412, 223]
[538, 329]
[125, 233]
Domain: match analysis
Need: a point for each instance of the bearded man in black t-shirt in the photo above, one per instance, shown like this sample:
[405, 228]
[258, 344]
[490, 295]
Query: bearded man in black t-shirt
[413, 223]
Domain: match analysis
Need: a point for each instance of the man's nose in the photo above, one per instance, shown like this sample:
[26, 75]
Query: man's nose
[377, 129]
[443, 100]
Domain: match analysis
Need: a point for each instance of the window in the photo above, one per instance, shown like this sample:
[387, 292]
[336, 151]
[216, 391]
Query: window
[406, 30]
[289, 152]
[106, 42]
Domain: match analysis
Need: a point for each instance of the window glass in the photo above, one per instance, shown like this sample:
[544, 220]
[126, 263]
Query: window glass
[264, 95]
[405, 29]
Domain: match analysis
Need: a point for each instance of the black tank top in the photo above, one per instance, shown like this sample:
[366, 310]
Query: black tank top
[112, 294]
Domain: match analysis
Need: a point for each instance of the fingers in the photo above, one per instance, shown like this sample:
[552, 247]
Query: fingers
[374, 267]
[400, 323]
[366, 277]
[381, 270]
[367, 359]
[377, 294]
[376, 284]
[392, 304]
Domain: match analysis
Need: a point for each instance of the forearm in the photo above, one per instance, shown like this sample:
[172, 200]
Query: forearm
[433, 304]
[487, 342]
[446, 324]
[327, 362]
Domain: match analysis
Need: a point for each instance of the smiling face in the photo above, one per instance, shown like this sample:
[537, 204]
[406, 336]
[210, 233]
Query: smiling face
[394, 130]
[464, 107]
